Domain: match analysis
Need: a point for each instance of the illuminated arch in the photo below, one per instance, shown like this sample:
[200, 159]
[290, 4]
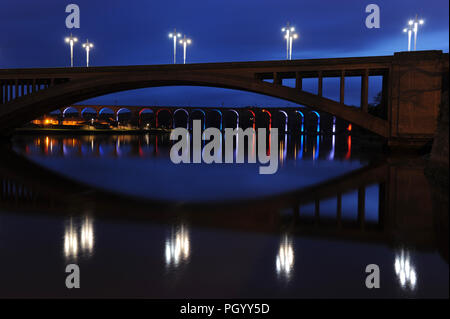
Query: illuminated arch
[121, 110]
[237, 117]
[106, 113]
[318, 121]
[187, 117]
[70, 108]
[157, 114]
[106, 109]
[86, 109]
[286, 121]
[221, 116]
[270, 117]
[204, 116]
[253, 116]
[302, 125]
[56, 112]
[146, 110]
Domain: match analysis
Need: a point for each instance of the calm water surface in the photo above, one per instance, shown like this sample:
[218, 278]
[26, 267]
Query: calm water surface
[140, 226]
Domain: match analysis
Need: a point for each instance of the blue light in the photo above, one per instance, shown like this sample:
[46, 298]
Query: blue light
[318, 121]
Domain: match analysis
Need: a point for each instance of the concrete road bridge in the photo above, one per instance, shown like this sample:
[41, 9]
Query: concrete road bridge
[411, 90]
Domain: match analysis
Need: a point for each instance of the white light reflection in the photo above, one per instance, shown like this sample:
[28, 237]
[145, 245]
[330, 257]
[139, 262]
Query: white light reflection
[87, 235]
[82, 242]
[70, 241]
[333, 141]
[178, 247]
[285, 259]
[405, 271]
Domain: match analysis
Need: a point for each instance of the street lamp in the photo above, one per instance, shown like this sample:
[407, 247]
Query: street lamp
[71, 40]
[409, 30]
[174, 35]
[289, 36]
[88, 46]
[185, 42]
[415, 24]
[292, 37]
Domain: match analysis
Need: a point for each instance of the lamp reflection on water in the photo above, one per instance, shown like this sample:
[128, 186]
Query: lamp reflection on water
[282, 152]
[87, 235]
[79, 242]
[178, 246]
[285, 259]
[405, 271]
[70, 241]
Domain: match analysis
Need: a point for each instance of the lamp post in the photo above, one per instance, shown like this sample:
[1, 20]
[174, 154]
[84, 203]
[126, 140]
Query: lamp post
[88, 46]
[408, 30]
[289, 36]
[185, 42]
[71, 40]
[287, 30]
[174, 35]
[416, 24]
[292, 37]
[413, 26]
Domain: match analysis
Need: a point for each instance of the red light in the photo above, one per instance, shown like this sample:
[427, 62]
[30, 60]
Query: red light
[349, 128]
[349, 147]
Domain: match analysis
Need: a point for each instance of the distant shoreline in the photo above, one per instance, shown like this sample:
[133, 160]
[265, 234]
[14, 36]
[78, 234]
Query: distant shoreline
[88, 132]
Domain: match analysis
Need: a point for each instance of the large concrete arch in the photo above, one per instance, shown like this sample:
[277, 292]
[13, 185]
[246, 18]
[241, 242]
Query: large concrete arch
[27, 108]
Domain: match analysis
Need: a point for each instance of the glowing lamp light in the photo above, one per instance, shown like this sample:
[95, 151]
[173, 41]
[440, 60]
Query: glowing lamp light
[71, 40]
[87, 46]
[289, 36]
[413, 26]
[174, 35]
[184, 42]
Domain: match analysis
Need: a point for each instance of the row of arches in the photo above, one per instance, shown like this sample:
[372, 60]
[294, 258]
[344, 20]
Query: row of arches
[167, 118]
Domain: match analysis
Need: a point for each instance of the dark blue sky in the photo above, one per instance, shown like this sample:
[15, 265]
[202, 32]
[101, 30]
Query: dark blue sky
[136, 32]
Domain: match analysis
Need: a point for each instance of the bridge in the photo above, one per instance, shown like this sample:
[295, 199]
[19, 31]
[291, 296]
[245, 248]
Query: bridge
[411, 93]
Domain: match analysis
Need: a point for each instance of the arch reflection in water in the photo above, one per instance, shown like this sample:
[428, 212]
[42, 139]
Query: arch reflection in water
[284, 261]
[315, 153]
[282, 152]
[82, 241]
[405, 271]
[178, 246]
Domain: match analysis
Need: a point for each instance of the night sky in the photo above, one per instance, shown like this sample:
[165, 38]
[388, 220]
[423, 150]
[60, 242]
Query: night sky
[136, 32]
